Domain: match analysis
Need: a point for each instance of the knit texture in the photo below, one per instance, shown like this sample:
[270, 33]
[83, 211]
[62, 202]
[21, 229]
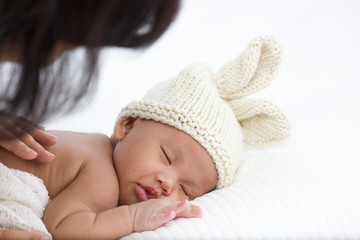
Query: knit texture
[212, 109]
[23, 199]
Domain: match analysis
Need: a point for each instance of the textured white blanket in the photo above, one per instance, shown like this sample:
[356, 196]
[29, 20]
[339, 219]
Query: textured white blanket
[279, 194]
[23, 199]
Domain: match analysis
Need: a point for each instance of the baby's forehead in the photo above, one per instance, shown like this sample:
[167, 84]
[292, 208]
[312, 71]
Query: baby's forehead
[177, 131]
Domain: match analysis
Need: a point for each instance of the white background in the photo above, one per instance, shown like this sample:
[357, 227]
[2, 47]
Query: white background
[318, 82]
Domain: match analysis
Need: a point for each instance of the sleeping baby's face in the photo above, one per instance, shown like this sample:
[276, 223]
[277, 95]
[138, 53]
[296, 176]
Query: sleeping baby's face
[154, 160]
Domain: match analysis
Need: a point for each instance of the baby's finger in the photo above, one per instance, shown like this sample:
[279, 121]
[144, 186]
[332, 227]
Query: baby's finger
[160, 219]
[190, 212]
[181, 206]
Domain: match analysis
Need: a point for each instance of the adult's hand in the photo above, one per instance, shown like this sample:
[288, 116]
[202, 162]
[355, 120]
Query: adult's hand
[25, 139]
[22, 235]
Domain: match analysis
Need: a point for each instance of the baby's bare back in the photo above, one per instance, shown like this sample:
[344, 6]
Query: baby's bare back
[72, 152]
[81, 181]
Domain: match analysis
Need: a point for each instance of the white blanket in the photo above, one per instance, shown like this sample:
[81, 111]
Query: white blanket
[279, 194]
[23, 199]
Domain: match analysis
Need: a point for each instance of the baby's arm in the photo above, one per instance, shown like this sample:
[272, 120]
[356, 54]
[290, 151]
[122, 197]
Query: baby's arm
[121, 221]
[85, 210]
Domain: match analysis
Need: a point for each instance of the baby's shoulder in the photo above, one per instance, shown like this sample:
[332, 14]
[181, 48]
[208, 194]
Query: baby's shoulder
[99, 172]
[80, 147]
[92, 150]
[85, 158]
[80, 140]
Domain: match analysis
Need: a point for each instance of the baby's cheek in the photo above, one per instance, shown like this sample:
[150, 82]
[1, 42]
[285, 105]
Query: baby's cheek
[181, 196]
[177, 196]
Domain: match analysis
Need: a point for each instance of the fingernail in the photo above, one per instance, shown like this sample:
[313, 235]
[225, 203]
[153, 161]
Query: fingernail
[32, 152]
[52, 136]
[50, 154]
[44, 238]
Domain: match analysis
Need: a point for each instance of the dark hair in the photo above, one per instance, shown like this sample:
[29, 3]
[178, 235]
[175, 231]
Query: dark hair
[32, 29]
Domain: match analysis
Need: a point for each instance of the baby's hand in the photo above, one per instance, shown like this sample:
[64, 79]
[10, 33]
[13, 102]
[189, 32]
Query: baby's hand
[153, 213]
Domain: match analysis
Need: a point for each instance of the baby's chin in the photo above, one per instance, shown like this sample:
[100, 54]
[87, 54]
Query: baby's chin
[127, 200]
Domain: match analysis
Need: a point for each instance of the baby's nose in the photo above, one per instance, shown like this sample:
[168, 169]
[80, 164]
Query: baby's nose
[166, 184]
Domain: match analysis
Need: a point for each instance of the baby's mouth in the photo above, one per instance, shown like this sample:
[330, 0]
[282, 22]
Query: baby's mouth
[145, 193]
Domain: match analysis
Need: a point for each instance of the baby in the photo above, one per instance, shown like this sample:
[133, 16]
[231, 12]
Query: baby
[182, 140]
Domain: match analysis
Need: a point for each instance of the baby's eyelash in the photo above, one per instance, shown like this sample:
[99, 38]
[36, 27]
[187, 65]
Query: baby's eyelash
[167, 158]
[182, 187]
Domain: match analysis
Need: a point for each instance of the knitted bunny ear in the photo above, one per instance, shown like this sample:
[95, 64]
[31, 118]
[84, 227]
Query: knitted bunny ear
[262, 122]
[251, 71]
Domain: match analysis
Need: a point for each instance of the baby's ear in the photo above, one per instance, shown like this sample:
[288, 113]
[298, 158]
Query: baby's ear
[252, 71]
[123, 127]
[262, 122]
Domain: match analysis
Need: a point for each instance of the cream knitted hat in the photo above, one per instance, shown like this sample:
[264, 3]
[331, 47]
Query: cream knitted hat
[212, 108]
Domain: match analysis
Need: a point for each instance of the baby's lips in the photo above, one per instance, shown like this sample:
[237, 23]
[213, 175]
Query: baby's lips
[145, 193]
[141, 193]
[151, 192]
